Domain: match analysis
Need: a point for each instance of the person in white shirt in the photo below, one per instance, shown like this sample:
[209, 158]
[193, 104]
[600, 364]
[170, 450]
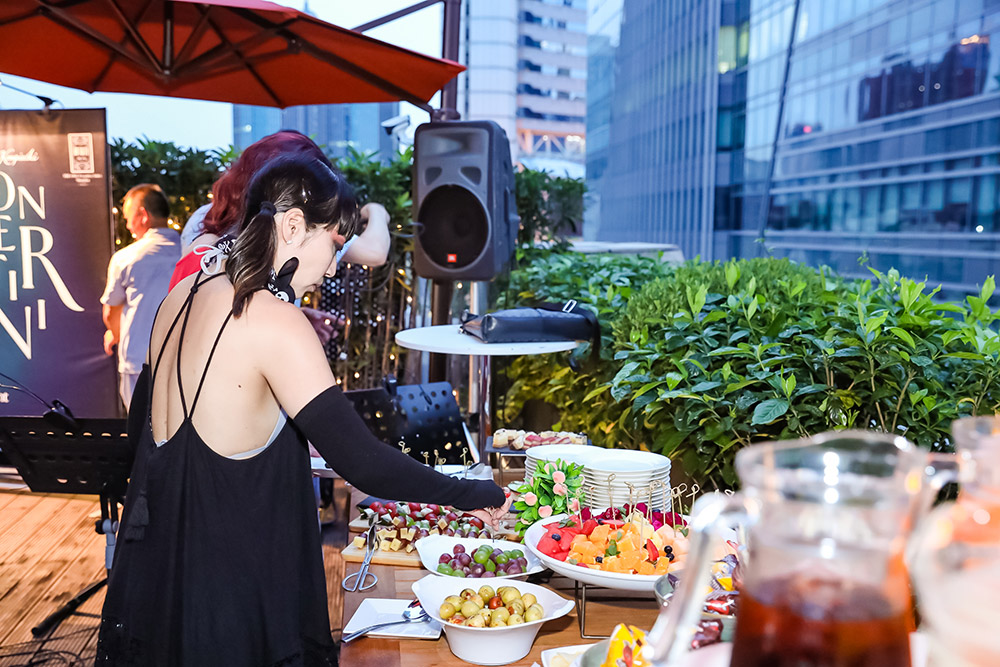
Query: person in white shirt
[138, 279]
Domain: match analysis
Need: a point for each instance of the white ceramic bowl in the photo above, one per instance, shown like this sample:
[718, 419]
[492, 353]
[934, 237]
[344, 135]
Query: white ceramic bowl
[431, 547]
[488, 646]
[616, 580]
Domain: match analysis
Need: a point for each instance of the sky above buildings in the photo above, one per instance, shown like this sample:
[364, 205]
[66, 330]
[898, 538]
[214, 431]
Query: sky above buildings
[209, 125]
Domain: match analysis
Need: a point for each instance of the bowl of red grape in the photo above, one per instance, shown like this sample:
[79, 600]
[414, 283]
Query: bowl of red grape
[474, 558]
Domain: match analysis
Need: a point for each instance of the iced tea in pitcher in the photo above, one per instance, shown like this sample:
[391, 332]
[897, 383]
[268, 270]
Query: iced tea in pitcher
[821, 623]
[827, 520]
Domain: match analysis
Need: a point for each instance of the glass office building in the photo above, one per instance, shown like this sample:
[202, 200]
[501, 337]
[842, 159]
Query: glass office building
[527, 71]
[872, 126]
[651, 121]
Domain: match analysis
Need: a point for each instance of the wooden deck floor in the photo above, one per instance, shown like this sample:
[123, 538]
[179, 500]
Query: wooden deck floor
[49, 551]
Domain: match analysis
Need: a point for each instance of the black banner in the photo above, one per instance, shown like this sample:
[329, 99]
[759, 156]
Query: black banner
[55, 243]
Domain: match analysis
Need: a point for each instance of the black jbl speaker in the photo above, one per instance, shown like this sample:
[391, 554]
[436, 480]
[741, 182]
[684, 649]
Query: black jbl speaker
[463, 191]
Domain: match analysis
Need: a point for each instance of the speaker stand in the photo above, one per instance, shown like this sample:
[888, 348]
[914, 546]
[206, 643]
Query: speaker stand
[442, 292]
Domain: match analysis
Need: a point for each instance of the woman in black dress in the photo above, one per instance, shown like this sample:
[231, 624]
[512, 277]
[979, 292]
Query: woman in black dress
[219, 561]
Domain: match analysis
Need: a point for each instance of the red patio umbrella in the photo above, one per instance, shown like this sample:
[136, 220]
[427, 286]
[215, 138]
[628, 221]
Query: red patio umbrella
[239, 51]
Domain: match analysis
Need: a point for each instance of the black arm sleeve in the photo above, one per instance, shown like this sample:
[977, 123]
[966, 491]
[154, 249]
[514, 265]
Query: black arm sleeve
[334, 428]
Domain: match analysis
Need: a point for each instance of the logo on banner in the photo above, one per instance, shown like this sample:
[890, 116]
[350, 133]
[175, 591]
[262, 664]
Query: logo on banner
[9, 157]
[81, 152]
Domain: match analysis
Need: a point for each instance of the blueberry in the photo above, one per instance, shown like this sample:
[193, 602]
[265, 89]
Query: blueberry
[668, 549]
[670, 557]
[598, 559]
[556, 536]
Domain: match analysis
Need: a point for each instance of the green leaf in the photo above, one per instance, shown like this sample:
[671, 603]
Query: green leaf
[903, 335]
[769, 410]
[732, 274]
[989, 286]
[908, 292]
[788, 384]
[596, 392]
[736, 386]
[724, 350]
[626, 370]
[619, 392]
[949, 336]
[673, 379]
[739, 335]
[646, 387]
[875, 323]
[972, 356]
[702, 387]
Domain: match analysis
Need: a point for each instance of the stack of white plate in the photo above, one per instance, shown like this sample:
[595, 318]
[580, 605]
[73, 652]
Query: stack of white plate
[607, 479]
[572, 453]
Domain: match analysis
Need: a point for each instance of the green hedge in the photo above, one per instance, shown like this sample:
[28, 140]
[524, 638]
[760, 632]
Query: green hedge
[701, 359]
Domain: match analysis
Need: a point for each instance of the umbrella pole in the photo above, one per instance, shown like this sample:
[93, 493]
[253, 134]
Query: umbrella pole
[450, 38]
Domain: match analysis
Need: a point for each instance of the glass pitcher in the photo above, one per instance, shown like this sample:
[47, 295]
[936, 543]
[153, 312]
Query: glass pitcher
[956, 563]
[824, 581]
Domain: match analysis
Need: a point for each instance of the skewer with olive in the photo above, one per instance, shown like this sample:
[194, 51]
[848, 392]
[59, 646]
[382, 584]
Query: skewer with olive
[502, 607]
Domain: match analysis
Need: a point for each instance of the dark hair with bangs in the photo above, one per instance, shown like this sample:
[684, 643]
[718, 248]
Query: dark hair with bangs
[291, 181]
[229, 192]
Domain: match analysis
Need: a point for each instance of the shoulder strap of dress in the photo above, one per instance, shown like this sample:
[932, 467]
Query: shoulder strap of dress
[208, 363]
[185, 309]
[180, 341]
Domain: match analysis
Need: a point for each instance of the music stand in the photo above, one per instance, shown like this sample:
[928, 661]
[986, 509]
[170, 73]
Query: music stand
[376, 408]
[96, 459]
[431, 420]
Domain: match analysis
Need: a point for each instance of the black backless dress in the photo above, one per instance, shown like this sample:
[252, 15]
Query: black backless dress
[219, 560]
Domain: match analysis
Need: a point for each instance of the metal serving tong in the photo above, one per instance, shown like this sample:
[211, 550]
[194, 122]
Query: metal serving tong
[357, 581]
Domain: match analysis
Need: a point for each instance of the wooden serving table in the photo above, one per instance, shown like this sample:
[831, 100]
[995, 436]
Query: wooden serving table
[395, 581]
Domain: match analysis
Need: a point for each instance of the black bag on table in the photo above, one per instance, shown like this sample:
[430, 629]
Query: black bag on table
[545, 323]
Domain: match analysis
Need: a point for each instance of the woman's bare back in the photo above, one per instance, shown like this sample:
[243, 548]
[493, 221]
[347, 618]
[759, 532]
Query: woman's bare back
[236, 410]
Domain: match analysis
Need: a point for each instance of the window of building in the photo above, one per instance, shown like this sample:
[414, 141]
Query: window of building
[944, 14]
[987, 211]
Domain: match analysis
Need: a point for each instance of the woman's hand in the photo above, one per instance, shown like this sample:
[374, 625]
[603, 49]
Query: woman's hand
[492, 516]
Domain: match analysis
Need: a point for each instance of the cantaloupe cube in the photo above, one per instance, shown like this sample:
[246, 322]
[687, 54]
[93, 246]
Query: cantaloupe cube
[591, 550]
[629, 543]
[600, 534]
[611, 564]
[666, 533]
[630, 560]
